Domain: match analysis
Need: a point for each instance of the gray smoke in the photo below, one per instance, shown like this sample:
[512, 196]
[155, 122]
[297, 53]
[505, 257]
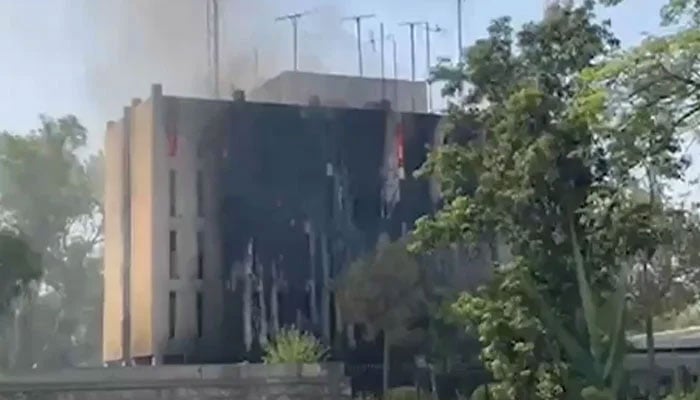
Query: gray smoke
[130, 44]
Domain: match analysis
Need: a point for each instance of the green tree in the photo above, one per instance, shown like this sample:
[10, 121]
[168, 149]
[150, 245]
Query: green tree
[549, 176]
[659, 76]
[19, 266]
[647, 98]
[383, 292]
[49, 194]
[673, 280]
[502, 316]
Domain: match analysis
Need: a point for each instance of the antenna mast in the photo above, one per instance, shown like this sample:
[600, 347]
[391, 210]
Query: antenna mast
[428, 30]
[412, 31]
[460, 47]
[358, 26]
[213, 44]
[294, 19]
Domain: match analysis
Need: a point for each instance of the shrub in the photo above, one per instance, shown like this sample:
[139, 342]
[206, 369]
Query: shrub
[402, 393]
[293, 346]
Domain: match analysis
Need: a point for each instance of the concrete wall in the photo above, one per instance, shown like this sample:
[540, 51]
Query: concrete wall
[138, 224]
[188, 120]
[114, 260]
[253, 381]
[295, 87]
[145, 249]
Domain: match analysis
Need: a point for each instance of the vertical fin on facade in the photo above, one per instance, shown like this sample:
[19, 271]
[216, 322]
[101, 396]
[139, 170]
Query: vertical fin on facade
[112, 303]
[325, 288]
[262, 303]
[277, 283]
[311, 282]
[126, 234]
[400, 150]
[247, 297]
[392, 164]
[171, 117]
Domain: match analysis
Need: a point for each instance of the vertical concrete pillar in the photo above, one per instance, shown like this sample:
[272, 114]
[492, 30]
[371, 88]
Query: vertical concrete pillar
[113, 305]
[126, 221]
[159, 220]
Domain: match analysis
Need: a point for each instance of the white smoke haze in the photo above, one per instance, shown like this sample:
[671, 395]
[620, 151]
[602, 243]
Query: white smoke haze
[115, 49]
[130, 44]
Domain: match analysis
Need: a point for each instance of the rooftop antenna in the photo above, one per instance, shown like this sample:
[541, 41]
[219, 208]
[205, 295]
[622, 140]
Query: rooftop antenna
[412, 31]
[460, 47]
[383, 38]
[294, 19]
[395, 81]
[392, 38]
[428, 30]
[213, 43]
[256, 65]
[358, 26]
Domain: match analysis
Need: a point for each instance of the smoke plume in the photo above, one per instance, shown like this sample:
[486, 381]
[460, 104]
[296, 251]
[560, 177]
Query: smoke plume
[130, 44]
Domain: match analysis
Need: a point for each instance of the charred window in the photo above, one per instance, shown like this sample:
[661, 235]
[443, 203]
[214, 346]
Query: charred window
[200, 316]
[172, 257]
[172, 192]
[172, 315]
[200, 193]
[200, 255]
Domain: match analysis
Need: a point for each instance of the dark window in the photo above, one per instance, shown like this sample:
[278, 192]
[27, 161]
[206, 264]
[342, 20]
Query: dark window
[200, 255]
[173, 255]
[200, 316]
[172, 192]
[172, 315]
[200, 193]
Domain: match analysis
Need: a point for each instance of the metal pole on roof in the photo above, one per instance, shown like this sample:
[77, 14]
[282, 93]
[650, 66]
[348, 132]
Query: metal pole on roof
[295, 25]
[294, 19]
[358, 27]
[381, 51]
[396, 67]
[412, 32]
[217, 76]
[428, 30]
[459, 30]
[381, 47]
[256, 65]
[213, 43]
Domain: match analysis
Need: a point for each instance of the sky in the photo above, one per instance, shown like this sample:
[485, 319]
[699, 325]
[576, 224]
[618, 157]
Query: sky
[90, 57]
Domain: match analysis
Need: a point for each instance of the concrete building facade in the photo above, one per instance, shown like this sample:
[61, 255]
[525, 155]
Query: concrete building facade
[296, 87]
[226, 220]
[155, 270]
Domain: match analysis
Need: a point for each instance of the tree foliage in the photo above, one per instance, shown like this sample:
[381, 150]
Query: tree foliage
[501, 315]
[537, 158]
[383, 293]
[19, 265]
[50, 193]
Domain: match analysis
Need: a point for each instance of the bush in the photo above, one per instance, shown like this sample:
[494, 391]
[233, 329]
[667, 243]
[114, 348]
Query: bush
[402, 393]
[291, 346]
[515, 349]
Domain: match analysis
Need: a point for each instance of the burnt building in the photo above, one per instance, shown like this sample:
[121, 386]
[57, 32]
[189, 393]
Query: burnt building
[226, 220]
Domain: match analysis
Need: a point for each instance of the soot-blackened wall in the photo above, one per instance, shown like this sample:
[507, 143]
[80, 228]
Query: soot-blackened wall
[300, 193]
